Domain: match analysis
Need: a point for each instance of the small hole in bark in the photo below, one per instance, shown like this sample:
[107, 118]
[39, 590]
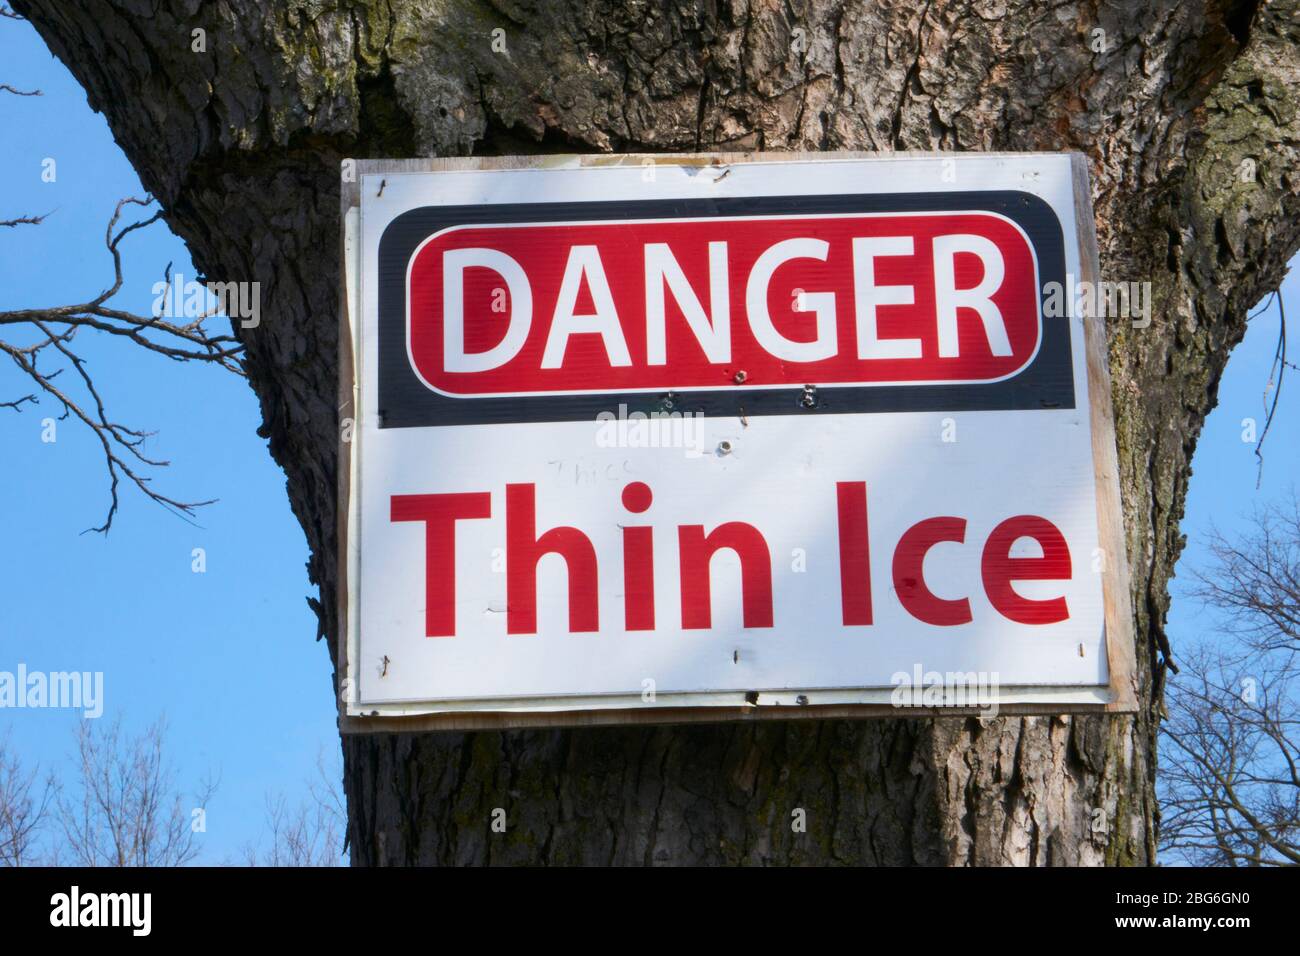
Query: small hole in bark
[1239, 18]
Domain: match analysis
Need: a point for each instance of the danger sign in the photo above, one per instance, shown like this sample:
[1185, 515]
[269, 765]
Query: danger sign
[552, 304]
[677, 438]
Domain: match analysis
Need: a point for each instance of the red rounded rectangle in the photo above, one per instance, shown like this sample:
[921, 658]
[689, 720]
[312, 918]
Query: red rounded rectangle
[702, 303]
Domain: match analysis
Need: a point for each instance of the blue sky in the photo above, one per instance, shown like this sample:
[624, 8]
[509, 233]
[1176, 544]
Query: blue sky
[1225, 469]
[228, 656]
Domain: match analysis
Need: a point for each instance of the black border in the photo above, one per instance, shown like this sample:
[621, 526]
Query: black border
[406, 402]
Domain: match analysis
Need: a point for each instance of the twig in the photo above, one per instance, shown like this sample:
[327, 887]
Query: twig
[23, 221]
[179, 341]
[1280, 365]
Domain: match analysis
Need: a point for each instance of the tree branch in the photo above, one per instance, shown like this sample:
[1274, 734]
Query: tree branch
[178, 341]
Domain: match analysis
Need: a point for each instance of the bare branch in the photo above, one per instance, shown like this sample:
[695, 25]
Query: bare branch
[24, 221]
[1229, 776]
[16, 404]
[1275, 376]
[126, 810]
[180, 341]
[309, 834]
[1255, 581]
[25, 803]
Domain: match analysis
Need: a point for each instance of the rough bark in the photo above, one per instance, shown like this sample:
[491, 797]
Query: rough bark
[242, 146]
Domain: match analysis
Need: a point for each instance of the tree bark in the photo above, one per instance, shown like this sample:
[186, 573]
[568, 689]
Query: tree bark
[241, 143]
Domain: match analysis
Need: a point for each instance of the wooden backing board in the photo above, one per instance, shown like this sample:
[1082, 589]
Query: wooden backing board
[1118, 614]
[1118, 600]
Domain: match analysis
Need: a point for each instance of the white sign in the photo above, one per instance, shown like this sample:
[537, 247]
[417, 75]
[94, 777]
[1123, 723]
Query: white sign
[721, 437]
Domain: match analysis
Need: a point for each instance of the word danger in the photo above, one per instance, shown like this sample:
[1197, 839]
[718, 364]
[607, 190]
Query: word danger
[526, 546]
[652, 305]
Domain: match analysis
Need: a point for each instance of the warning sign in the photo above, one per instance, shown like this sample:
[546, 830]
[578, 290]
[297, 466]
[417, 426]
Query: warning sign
[678, 438]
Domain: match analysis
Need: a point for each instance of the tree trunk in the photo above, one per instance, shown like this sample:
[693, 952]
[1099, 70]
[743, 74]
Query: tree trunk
[241, 143]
